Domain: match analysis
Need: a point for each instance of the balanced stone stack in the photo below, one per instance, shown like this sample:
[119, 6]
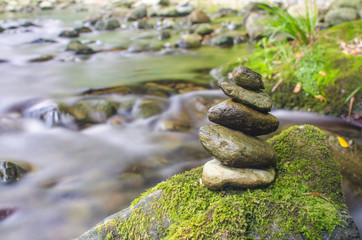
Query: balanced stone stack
[240, 158]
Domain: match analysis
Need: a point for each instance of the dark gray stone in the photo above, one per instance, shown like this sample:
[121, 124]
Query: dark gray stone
[235, 149]
[259, 101]
[240, 117]
[247, 78]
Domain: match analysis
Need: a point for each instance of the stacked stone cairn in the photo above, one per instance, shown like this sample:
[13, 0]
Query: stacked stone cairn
[241, 159]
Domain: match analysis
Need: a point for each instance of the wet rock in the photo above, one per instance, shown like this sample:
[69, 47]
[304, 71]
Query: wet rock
[224, 12]
[42, 59]
[112, 24]
[137, 13]
[222, 40]
[90, 110]
[340, 15]
[148, 108]
[6, 212]
[247, 78]
[204, 29]
[168, 12]
[83, 29]
[164, 35]
[189, 41]
[69, 34]
[259, 101]
[197, 16]
[10, 172]
[240, 117]
[79, 48]
[255, 25]
[235, 149]
[42, 40]
[1, 29]
[100, 25]
[143, 24]
[184, 9]
[216, 176]
[46, 5]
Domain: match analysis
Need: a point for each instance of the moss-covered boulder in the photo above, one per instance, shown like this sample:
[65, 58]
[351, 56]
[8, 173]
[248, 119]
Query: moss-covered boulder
[304, 202]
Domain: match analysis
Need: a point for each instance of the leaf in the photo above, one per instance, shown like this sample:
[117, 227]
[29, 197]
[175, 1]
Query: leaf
[343, 142]
[298, 87]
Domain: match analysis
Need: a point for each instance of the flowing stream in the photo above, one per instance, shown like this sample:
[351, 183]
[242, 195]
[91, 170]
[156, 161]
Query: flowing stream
[78, 176]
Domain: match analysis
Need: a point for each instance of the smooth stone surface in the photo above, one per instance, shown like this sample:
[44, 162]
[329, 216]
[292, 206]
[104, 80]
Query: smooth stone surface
[198, 16]
[247, 78]
[216, 176]
[189, 41]
[257, 100]
[240, 117]
[235, 149]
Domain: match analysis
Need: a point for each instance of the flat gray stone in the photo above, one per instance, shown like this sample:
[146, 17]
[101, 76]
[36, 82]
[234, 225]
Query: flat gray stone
[235, 149]
[247, 78]
[240, 117]
[216, 176]
[259, 101]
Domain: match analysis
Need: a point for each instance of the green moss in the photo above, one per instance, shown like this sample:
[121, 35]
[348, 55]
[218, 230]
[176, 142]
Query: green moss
[279, 210]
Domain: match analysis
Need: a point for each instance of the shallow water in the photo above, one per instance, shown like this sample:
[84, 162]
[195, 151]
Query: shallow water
[76, 178]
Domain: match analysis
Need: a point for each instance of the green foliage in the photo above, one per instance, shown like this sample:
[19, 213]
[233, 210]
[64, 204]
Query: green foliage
[353, 93]
[300, 28]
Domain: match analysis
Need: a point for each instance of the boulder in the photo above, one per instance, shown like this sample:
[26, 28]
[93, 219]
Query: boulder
[83, 29]
[148, 108]
[137, 13]
[90, 110]
[163, 35]
[216, 176]
[235, 149]
[255, 25]
[305, 201]
[189, 41]
[69, 34]
[259, 101]
[222, 40]
[112, 24]
[10, 172]
[184, 9]
[247, 78]
[167, 12]
[197, 16]
[46, 5]
[204, 29]
[79, 48]
[340, 15]
[240, 117]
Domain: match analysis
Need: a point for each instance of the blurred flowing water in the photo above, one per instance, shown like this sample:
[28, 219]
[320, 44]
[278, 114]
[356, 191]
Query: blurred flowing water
[76, 178]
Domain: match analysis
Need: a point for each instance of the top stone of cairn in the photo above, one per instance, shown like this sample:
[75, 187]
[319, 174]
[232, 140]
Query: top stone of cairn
[247, 78]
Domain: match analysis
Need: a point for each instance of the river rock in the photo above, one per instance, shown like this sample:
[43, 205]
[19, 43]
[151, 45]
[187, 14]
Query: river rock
[69, 34]
[10, 172]
[216, 176]
[42, 40]
[112, 24]
[340, 15]
[204, 29]
[247, 78]
[235, 149]
[240, 117]
[222, 40]
[1, 29]
[83, 29]
[197, 16]
[184, 8]
[254, 25]
[137, 13]
[79, 48]
[259, 101]
[189, 41]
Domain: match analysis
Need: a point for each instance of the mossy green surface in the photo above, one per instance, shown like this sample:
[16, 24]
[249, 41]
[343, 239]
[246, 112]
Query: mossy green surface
[305, 199]
[322, 68]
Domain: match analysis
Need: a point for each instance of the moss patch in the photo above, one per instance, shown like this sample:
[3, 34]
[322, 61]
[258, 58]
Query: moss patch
[305, 199]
